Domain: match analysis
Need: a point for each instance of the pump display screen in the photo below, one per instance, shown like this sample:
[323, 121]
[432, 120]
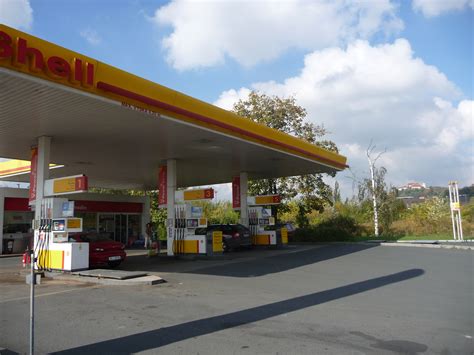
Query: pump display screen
[263, 221]
[59, 225]
[192, 223]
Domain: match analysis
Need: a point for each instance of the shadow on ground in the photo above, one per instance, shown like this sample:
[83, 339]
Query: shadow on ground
[253, 263]
[164, 336]
[280, 263]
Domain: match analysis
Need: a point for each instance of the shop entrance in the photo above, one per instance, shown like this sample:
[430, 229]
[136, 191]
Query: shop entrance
[124, 228]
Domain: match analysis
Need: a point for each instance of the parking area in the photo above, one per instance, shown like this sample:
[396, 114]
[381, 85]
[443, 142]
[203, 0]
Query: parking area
[325, 299]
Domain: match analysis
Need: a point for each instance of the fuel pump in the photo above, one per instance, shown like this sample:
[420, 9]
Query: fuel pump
[261, 218]
[53, 251]
[188, 219]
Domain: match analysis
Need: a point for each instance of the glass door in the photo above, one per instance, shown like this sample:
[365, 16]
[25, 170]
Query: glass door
[121, 228]
[107, 225]
[133, 227]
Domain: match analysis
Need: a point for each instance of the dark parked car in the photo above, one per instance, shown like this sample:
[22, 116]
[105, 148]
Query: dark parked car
[290, 227]
[234, 236]
[103, 251]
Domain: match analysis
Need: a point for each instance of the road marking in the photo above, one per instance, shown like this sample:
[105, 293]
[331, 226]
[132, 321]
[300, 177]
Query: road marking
[47, 294]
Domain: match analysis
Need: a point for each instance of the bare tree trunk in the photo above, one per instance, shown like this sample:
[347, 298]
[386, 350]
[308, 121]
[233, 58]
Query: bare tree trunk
[374, 198]
[372, 161]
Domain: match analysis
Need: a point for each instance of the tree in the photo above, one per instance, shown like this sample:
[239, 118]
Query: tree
[375, 190]
[375, 196]
[285, 115]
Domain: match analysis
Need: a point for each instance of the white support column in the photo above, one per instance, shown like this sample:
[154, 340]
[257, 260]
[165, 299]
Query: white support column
[2, 214]
[42, 173]
[244, 212]
[170, 196]
[145, 216]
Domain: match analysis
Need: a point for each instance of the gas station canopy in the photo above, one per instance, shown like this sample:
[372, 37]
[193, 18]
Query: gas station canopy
[118, 128]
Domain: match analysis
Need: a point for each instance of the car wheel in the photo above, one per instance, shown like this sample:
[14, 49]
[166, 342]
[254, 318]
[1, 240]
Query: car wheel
[114, 264]
[225, 247]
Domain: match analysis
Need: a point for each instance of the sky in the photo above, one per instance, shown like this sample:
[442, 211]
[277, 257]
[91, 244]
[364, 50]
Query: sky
[397, 73]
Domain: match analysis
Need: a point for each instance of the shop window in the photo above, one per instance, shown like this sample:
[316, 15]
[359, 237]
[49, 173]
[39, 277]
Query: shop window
[17, 222]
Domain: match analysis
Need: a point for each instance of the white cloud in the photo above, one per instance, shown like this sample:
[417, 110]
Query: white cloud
[433, 8]
[91, 36]
[16, 13]
[206, 33]
[386, 94]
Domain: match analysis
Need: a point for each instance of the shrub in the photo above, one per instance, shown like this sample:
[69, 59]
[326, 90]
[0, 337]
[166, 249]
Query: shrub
[335, 228]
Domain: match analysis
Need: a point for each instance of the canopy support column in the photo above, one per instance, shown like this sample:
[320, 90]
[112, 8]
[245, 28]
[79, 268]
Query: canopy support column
[170, 192]
[244, 213]
[2, 213]
[42, 173]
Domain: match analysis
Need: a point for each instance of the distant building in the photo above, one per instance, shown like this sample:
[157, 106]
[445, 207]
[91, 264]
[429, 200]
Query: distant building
[412, 186]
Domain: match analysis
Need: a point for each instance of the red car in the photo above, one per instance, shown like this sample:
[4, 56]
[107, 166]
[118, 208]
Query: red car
[103, 251]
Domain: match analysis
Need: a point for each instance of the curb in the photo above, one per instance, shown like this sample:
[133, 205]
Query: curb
[10, 256]
[433, 246]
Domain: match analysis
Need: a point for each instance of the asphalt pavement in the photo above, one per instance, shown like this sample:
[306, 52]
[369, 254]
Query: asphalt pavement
[334, 299]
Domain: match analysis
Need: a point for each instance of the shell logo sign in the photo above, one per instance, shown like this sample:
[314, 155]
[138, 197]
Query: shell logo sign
[18, 51]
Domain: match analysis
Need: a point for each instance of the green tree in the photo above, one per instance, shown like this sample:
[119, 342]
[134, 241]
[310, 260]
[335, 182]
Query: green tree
[285, 115]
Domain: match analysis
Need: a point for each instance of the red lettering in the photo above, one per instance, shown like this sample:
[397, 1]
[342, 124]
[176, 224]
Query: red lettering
[6, 49]
[59, 67]
[36, 63]
[90, 74]
[78, 73]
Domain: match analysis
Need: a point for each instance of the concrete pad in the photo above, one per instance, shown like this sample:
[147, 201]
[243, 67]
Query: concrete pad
[110, 274]
[144, 280]
[136, 281]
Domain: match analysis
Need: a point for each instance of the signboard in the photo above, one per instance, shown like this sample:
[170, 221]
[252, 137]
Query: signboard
[203, 194]
[267, 199]
[68, 209]
[66, 185]
[455, 206]
[217, 241]
[196, 212]
[162, 186]
[264, 200]
[236, 192]
[33, 174]
[74, 224]
[70, 184]
[18, 49]
[67, 225]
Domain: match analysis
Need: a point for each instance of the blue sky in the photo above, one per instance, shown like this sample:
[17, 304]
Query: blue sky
[404, 68]
[130, 40]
